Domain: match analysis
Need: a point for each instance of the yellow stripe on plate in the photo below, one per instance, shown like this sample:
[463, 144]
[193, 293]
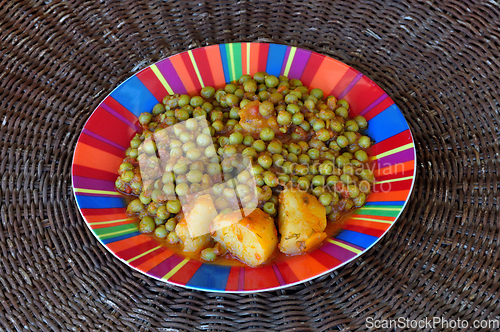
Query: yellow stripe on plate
[345, 246]
[289, 61]
[394, 180]
[92, 191]
[143, 254]
[109, 222]
[175, 269]
[375, 220]
[162, 79]
[196, 68]
[372, 207]
[108, 235]
[231, 57]
[393, 151]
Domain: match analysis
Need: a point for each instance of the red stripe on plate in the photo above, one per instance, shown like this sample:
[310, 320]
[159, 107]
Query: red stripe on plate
[92, 141]
[392, 186]
[93, 173]
[152, 83]
[232, 279]
[200, 55]
[263, 53]
[260, 278]
[365, 230]
[186, 272]
[391, 143]
[190, 69]
[110, 127]
[344, 82]
[313, 64]
[118, 108]
[376, 110]
[134, 251]
[362, 94]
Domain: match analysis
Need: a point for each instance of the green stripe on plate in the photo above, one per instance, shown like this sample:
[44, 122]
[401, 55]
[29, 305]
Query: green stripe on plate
[380, 210]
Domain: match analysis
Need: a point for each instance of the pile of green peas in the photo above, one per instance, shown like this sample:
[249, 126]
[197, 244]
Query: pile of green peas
[308, 142]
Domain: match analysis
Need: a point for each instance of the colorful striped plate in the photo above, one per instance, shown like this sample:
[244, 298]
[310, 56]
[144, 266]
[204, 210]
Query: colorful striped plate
[106, 135]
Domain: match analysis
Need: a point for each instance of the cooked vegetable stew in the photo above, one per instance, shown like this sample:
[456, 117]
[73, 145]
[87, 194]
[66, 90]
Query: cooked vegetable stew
[263, 163]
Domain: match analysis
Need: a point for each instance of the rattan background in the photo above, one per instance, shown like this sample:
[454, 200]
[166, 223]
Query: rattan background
[440, 62]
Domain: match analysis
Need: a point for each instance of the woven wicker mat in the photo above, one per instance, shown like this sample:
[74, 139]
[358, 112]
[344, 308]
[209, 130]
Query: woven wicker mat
[440, 62]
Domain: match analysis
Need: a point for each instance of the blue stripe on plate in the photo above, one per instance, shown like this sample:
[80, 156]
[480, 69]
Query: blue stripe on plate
[119, 238]
[386, 124]
[386, 203]
[223, 57]
[359, 239]
[134, 96]
[275, 59]
[100, 202]
[213, 277]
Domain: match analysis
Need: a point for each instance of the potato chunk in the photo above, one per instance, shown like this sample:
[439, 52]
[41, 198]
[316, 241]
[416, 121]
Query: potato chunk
[199, 215]
[189, 243]
[301, 220]
[251, 238]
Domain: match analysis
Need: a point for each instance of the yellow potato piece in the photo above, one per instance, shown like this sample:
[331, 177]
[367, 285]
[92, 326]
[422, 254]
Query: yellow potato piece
[199, 216]
[251, 238]
[189, 243]
[301, 220]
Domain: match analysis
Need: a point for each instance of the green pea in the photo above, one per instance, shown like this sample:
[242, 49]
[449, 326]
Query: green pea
[218, 125]
[342, 141]
[313, 153]
[158, 109]
[266, 108]
[135, 206]
[301, 170]
[359, 200]
[278, 160]
[250, 86]
[270, 179]
[364, 142]
[182, 189]
[303, 183]
[364, 186]
[145, 118]
[291, 99]
[353, 190]
[193, 154]
[274, 147]
[351, 137]
[313, 169]
[259, 145]
[342, 111]
[265, 161]
[318, 181]
[346, 178]
[256, 170]
[208, 255]
[146, 225]
[266, 134]
[236, 138]
[244, 78]
[270, 209]
[318, 191]
[194, 176]
[297, 118]
[149, 147]
[343, 103]
[161, 232]
[325, 199]
[182, 101]
[325, 169]
[348, 155]
[304, 159]
[259, 180]
[196, 101]
[310, 104]
[172, 238]
[318, 124]
[174, 206]
[169, 189]
[361, 155]
[295, 82]
[170, 224]
[332, 180]
[162, 212]
[230, 88]
[127, 176]
[248, 140]
[181, 114]
[275, 98]
[271, 81]
[232, 100]
[305, 125]
[367, 175]
[284, 118]
[283, 178]
[287, 167]
[318, 93]
[323, 134]
[292, 157]
[351, 125]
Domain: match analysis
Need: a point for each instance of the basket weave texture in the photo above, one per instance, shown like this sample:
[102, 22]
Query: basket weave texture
[438, 60]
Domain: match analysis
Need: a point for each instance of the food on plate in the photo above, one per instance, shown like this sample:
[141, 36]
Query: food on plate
[259, 166]
[301, 220]
[248, 235]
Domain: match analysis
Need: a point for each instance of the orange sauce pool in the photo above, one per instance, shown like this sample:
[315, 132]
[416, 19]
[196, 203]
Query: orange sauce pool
[332, 228]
